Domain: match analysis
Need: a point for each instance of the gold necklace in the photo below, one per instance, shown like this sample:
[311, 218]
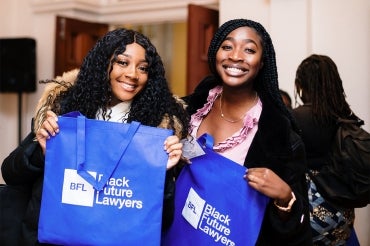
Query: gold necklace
[233, 121]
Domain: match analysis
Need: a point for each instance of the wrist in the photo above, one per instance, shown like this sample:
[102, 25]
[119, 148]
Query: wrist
[285, 205]
[283, 202]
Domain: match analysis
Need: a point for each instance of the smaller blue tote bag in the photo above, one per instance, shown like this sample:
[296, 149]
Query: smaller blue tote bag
[214, 205]
[103, 183]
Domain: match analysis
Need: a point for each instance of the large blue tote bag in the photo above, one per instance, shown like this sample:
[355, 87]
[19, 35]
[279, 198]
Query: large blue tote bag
[214, 205]
[103, 184]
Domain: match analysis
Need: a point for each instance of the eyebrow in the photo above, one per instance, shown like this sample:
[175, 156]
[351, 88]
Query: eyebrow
[129, 56]
[247, 40]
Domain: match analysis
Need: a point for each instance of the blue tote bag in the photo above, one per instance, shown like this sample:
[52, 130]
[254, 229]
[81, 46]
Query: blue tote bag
[214, 205]
[103, 183]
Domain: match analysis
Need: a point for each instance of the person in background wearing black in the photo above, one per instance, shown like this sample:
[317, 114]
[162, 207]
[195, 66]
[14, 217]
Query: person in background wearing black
[286, 99]
[319, 86]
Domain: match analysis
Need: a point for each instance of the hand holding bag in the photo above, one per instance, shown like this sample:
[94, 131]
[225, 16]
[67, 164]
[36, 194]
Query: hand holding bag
[103, 184]
[214, 203]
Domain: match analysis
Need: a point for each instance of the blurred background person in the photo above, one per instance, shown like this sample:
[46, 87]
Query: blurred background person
[286, 98]
[319, 86]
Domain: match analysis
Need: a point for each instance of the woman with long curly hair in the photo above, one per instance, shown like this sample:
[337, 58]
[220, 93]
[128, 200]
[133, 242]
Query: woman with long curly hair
[122, 79]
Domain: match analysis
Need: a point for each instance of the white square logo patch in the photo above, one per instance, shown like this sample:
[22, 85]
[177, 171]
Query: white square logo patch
[193, 208]
[76, 190]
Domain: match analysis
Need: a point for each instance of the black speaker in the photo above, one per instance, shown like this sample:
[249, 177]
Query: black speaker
[17, 65]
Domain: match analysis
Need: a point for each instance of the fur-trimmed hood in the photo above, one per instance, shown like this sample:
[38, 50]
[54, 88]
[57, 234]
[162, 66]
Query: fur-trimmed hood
[62, 83]
[51, 91]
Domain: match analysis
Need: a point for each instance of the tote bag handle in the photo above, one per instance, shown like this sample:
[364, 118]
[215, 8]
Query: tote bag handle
[81, 152]
[206, 141]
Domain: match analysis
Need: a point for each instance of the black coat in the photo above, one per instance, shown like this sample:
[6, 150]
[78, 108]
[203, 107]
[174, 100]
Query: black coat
[24, 167]
[318, 138]
[277, 147]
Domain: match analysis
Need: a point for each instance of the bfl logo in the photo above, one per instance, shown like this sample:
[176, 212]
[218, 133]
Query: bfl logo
[206, 218]
[193, 208]
[76, 190]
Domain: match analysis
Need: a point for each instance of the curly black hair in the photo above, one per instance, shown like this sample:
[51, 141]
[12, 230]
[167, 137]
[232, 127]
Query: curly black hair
[266, 83]
[318, 78]
[92, 90]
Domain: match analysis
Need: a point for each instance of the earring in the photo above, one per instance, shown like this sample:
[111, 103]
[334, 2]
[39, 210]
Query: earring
[300, 93]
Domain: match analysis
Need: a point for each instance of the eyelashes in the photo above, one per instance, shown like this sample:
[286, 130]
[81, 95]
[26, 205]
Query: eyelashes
[123, 64]
[246, 50]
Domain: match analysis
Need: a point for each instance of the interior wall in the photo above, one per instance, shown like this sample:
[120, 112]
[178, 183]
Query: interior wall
[18, 20]
[337, 28]
[8, 101]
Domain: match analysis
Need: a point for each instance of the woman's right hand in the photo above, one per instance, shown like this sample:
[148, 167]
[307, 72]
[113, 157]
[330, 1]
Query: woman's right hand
[173, 147]
[48, 128]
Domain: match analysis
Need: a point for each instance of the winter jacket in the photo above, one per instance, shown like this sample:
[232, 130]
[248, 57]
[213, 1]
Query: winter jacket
[277, 147]
[25, 167]
[317, 138]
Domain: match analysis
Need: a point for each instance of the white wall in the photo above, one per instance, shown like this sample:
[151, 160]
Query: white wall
[337, 28]
[18, 20]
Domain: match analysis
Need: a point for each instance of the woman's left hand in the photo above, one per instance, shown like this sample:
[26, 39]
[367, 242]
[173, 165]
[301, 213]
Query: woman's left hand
[173, 148]
[269, 183]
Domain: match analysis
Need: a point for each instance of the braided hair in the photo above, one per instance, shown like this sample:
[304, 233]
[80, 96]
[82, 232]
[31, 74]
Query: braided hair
[92, 90]
[266, 83]
[318, 79]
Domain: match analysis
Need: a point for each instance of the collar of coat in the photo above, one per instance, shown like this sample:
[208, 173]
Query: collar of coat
[51, 91]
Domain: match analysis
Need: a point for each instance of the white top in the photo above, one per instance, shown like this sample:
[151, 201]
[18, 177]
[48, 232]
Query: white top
[118, 113]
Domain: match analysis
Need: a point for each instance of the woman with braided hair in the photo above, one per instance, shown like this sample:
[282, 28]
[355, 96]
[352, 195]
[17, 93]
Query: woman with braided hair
[241, 107]
[320, 88]
[122, 79]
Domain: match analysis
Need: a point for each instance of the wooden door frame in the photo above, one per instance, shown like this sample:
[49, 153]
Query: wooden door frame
[73, 39]
[202, 24]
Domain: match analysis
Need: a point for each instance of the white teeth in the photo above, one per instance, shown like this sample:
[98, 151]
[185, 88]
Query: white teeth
[234, 69]
[128, 86]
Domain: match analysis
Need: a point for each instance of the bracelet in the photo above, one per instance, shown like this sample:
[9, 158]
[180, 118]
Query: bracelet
[290, 204]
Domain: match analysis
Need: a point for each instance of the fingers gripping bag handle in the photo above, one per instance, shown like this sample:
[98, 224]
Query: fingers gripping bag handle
[99, 184]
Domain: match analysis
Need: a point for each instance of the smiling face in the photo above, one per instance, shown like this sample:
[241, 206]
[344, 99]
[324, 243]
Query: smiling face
[239, 58]
[129, 74]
